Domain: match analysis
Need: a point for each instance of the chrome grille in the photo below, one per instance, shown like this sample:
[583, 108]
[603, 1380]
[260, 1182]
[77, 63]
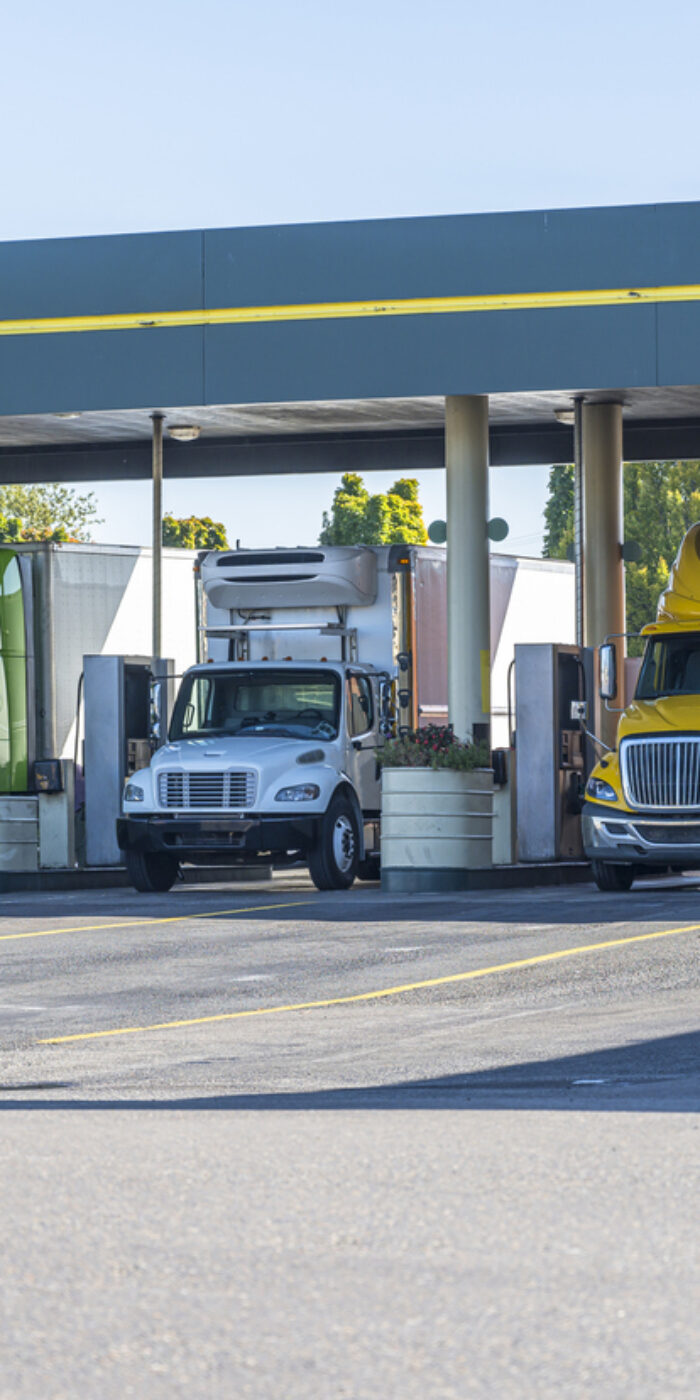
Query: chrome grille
[217, 791]
[670, 833]
[661, 774]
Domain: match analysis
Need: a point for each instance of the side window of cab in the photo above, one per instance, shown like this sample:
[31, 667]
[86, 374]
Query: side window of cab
[360, 707]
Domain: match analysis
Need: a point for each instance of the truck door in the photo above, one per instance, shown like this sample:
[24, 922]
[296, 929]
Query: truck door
[361, 722]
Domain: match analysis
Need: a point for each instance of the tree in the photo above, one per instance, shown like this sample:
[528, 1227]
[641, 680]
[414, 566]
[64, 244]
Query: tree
[559, 513]
[194, 532]
[394, 517]
[661, 502]
[50, 512]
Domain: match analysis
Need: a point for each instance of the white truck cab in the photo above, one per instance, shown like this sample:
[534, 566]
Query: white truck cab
[264, 760]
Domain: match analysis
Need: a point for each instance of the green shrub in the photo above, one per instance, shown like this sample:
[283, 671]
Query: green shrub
[435, 746]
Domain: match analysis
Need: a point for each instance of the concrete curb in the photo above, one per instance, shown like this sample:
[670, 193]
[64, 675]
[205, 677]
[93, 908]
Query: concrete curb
[114, 877]
[405, 880]
[500, 877]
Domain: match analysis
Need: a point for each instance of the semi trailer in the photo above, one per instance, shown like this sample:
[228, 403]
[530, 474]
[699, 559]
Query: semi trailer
[311, 657]
[58, 603]
[642, 802]
[68, 610]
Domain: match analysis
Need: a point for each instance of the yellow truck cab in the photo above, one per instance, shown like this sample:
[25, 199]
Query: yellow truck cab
[642, 807]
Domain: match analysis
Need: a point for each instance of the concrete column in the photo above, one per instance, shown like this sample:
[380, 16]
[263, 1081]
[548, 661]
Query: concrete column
[604, 577]
[468, 611]
[157, 459]
[578, 517]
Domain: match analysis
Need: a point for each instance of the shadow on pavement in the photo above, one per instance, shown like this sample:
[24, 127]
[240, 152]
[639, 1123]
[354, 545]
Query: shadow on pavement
[563, 905]
[650, 1076]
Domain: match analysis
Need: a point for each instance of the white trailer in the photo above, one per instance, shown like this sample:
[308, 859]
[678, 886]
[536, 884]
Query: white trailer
[272, 751]
[94, 599]
[59, 603]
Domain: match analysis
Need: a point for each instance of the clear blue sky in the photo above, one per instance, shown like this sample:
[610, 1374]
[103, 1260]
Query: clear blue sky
[199, 113]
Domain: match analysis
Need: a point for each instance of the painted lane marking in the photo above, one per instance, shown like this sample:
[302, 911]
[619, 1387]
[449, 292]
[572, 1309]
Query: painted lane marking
[382, 992]
[352, 310]
[20, 1010]
[144, 923]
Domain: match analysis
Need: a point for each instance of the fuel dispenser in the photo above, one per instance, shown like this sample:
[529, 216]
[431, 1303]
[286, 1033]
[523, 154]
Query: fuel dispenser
[553, 755]
[119, 737]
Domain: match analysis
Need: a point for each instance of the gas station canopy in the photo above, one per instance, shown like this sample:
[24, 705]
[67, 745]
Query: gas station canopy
[331, 347]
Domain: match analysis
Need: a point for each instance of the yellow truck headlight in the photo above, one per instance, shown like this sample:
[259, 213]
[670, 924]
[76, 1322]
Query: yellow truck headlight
[600, 790]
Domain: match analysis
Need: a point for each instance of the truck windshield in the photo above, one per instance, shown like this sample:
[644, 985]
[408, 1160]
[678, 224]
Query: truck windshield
[671, 666]
[289, 704]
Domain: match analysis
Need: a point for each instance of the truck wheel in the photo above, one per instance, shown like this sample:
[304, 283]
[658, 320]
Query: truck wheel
[150, 872]
[609, 877]
[369, 869]
[333, 864]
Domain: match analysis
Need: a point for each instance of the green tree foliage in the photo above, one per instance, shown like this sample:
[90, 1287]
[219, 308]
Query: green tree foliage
[394, 517]
[51, 512]
[559, 513]
[661, 502]
[194, 533]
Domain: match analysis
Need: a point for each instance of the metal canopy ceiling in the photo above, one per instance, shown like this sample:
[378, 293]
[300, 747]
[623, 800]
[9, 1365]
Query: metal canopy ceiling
[343, 435]
[336, 416]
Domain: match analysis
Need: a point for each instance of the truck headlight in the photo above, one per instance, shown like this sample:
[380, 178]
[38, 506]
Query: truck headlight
[133, 793]
[302, 792]
[603, 792]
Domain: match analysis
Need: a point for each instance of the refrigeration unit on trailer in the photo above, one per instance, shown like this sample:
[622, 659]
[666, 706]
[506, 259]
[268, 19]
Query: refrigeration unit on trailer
[313, 657]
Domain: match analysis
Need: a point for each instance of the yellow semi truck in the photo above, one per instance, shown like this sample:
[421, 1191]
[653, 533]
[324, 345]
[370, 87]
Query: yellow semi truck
[642, 803]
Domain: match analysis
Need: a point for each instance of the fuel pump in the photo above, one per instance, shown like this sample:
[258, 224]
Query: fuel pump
[118, 739]
[552, 684]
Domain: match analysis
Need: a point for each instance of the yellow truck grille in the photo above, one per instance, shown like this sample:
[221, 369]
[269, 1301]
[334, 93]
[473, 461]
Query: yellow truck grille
[661, 774]
[212, 791]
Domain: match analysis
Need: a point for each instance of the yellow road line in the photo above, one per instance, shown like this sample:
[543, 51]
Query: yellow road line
[352, 310]
[382, 992]
[143, 923]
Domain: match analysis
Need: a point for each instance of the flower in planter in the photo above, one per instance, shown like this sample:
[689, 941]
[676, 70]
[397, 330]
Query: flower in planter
[435, 746]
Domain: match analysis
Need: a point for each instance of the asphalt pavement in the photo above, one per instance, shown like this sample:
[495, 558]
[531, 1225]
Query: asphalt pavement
[267, 1142]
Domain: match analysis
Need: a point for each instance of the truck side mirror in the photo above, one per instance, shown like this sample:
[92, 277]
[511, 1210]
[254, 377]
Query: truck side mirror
[156, 710]
[608, 672]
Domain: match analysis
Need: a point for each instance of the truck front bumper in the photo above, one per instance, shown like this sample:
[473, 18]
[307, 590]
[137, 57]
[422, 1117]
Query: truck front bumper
[204, 839]
[635, 839]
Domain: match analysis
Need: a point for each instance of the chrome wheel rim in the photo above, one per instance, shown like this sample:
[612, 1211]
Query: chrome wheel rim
[343, 844]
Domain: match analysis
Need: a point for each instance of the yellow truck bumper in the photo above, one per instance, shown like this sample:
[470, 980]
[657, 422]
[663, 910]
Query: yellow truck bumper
[634, 839]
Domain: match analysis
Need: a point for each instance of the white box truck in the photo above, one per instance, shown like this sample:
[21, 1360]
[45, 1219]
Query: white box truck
[313, 655]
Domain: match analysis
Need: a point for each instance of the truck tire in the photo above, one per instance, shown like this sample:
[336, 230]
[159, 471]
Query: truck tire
[333, 864]
[610, 877]
[150, 872]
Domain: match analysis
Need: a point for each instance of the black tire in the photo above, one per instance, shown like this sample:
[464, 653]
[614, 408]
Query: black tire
[369, 869]
[151, 872]
[333, 864]
[612, 878]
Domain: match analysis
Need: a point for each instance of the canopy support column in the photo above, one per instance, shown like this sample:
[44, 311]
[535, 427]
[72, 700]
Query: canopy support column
[157, 477]
[468, 608]
[604, 573]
